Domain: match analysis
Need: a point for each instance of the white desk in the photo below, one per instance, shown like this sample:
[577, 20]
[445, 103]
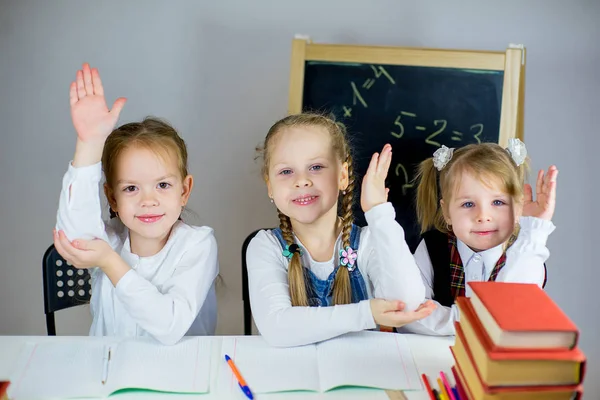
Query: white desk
[432, 355]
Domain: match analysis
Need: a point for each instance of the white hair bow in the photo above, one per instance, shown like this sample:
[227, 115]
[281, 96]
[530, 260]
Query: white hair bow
[442, 156]
[517, 151]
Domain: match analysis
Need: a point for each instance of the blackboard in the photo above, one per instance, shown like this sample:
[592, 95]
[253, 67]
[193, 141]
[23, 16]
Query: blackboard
[416, 108]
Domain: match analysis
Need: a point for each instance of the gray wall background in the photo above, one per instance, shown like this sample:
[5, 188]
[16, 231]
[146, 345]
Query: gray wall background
[219, 72]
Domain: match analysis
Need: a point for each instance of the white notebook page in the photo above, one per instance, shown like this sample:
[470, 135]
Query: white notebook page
[75, 369]
[268, 369]
[50, 370]
[368, 359]
[146, 364]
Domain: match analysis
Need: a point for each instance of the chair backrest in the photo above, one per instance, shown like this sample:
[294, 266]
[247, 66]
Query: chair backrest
[64, 286]
[245, 291]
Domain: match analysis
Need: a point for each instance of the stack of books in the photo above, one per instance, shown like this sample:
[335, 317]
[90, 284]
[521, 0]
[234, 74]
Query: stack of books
[3, 389]
[513, 342]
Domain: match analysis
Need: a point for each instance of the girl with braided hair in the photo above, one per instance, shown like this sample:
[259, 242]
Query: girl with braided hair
[318, 275]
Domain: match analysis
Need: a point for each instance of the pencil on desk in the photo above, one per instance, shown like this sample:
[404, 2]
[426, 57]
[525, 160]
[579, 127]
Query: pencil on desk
[106, 362]
[456, 395]
[428, 387]
[443, 394]
[447, 386]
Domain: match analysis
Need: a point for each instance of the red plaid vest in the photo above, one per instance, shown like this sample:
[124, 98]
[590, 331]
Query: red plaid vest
[457, 273]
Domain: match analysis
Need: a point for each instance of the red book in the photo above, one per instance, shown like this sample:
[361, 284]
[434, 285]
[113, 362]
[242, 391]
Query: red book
[522, 316]
[513, 368]
[471, 383]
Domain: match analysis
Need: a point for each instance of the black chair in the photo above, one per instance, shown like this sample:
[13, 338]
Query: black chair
[245, 292]
[64, 286]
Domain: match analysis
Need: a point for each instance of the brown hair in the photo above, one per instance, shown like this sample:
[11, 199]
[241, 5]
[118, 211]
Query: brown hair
[342, 293]
[151, 133]
[487, 162]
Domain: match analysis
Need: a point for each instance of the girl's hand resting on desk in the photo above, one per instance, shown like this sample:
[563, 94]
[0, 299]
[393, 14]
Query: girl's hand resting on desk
[92, 119]
[391, 313]
[83, 253]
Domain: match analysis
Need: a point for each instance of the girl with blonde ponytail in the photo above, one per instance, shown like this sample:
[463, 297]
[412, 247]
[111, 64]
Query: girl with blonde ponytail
[479, 222]
[318, 275]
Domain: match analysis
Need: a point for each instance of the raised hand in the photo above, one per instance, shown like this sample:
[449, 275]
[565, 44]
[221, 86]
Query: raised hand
[545, 201]
[373, 190]
[92, 119]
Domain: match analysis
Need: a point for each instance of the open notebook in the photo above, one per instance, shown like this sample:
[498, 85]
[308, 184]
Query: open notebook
[76, 368]
[364, 359]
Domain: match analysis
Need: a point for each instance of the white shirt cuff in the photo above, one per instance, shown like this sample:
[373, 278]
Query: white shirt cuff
[366, 315]
[93, 172]
[126, 280]
[380, 213]
[536, 229]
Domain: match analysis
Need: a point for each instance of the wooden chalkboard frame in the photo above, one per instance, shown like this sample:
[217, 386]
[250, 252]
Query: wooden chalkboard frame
[511, 62]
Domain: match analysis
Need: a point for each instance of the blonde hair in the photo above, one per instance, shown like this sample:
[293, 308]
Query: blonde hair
[151, 133]
[485, 161]
[342, 292]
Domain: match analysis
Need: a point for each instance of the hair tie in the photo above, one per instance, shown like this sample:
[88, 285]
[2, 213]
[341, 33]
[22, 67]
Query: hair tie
[348, 258]
[290, 249]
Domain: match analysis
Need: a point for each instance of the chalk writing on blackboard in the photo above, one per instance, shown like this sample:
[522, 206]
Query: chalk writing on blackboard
[416, 109]
[357, 97]
[406, 185]
[405, 120]
[439, 126]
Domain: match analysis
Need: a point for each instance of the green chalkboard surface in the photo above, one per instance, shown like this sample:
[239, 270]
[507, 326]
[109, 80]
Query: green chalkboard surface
[414, 108]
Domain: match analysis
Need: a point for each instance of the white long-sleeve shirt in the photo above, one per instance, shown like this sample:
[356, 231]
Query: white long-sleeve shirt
[524, 264]
[163, 296]
[384, 260]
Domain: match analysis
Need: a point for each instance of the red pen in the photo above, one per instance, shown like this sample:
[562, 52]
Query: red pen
[428, 387]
